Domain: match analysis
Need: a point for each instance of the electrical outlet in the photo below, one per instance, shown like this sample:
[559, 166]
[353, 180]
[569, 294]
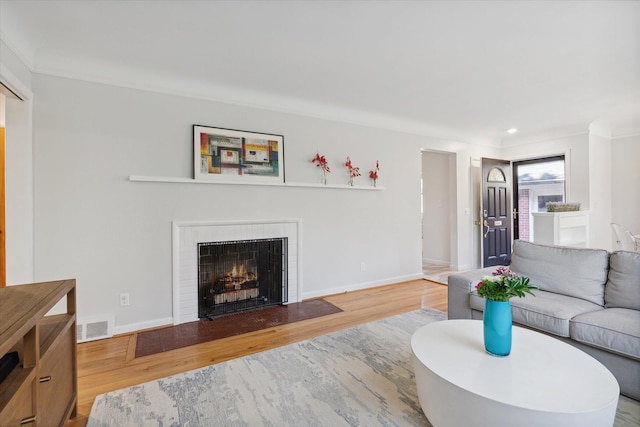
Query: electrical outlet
[363, 266]
[124, 300]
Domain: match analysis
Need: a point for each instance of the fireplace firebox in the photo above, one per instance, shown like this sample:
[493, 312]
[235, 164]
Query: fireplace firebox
[241, 275]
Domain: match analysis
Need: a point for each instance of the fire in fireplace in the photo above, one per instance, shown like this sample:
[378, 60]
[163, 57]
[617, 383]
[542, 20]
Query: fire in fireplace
[241, 275]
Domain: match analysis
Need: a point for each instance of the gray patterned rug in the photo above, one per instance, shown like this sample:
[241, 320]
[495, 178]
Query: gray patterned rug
[362, 376]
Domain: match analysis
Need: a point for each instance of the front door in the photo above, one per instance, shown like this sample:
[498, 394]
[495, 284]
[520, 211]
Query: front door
[495, 212]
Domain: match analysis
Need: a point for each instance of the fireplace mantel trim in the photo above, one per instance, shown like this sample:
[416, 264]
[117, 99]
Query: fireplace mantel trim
[235, 222]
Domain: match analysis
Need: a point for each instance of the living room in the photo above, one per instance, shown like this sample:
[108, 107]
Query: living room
[87, 124]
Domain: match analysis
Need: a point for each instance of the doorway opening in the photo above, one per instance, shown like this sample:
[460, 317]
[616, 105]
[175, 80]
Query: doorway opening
[536, 183]
[438, 201]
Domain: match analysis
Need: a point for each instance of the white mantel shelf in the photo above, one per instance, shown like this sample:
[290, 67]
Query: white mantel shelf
[178, 180]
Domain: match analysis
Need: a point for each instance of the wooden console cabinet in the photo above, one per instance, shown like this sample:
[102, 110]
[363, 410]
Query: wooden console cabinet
[42, 390]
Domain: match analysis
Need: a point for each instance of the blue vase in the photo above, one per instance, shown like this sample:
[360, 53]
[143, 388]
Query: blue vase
[497, 327]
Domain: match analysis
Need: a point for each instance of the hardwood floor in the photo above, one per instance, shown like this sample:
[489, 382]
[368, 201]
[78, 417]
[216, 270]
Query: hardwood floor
[109, 364]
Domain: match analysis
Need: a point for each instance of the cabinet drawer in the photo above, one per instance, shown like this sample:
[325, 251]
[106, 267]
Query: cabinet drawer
[20, 407]
[55, 388]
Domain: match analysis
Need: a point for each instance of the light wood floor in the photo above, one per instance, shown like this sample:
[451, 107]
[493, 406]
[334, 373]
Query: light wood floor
[108, 365]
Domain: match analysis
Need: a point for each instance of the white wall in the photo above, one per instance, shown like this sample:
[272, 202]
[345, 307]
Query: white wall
[600, 185]
[625, 191]
[601, 175]
[18, 169]
[19, 192]
[114, 235]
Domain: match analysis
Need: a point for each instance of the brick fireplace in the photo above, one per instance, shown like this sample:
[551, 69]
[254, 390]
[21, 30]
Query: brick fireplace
[189, 237]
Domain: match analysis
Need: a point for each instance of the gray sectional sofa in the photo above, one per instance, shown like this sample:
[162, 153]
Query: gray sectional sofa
[589, 298]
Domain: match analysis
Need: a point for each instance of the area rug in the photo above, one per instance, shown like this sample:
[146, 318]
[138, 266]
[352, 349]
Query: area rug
[362, 376]
[191, 333]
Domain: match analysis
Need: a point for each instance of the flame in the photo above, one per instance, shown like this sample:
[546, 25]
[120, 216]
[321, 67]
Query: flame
[238, 271]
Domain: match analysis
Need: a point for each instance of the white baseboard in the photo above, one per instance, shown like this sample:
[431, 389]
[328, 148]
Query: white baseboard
[133, 327]
[435, 262]
[168, 321]
[360, 286]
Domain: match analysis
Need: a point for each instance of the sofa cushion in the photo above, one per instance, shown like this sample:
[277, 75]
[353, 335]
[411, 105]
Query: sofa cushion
[576, 272]
[623, 286]
[460, 284]
[612, 329]
[545, 311]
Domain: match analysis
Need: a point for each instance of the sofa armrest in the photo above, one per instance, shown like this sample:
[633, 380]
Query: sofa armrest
[460, 286]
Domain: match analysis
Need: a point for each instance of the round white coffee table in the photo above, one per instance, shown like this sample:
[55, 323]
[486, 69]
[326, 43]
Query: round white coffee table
[543, 382]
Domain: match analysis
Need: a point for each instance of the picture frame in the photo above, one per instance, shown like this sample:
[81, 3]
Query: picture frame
[229, 155]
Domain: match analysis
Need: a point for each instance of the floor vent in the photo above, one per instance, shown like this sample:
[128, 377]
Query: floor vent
[94, 329]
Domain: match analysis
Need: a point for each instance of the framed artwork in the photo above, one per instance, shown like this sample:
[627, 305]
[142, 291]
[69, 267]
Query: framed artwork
[236, 155]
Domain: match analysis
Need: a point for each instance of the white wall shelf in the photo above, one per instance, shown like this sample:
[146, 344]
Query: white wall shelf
[179, 180]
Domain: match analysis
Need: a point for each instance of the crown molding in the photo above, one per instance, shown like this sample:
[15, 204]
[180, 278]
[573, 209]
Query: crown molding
[266, 101]
[626, 134]
[138, 80]
[13, 83]
[16, 51]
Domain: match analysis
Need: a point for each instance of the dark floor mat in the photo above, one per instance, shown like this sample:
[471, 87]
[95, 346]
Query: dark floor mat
[186, 334]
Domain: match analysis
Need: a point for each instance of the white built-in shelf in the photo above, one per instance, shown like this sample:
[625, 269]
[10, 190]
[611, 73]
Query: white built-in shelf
[561, 228]
[139, 178]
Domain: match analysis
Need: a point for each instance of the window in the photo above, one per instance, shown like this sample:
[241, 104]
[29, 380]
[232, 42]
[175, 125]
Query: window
[496, 175]
[536, 182]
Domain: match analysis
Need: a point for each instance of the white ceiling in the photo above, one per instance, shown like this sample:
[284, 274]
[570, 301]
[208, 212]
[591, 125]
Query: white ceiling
[460, 70]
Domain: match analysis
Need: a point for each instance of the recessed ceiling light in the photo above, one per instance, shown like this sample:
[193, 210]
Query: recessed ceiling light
[512, 130]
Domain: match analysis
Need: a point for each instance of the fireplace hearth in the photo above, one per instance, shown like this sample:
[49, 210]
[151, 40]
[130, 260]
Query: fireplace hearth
[241, 275]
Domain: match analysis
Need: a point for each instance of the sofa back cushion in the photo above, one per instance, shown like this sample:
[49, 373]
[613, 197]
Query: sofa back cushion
[623, 286]
[575, 272]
